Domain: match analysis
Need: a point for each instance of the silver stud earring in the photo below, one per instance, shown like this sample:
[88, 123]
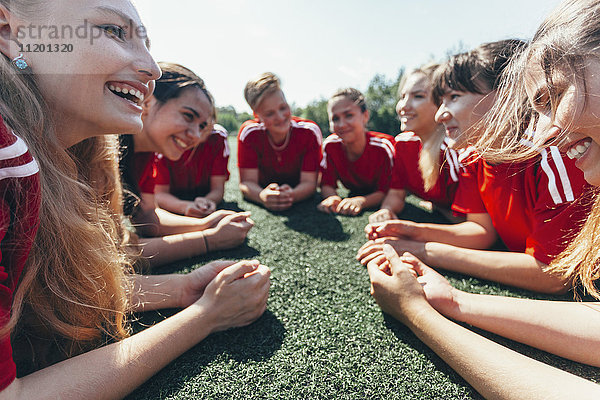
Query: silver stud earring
[20, 62]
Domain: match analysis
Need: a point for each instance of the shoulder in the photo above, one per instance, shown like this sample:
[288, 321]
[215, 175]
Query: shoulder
[332, 141]
[250, 129]
[563, 179]
[219, 130]
[407, 137]
[382, 142]
[308, 127]
[15, 159]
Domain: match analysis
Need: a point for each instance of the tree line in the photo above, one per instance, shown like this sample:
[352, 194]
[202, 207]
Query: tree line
[381, 95]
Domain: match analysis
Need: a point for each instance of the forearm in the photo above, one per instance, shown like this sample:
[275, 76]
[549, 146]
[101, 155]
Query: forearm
[113, 371]
[328, 191]
[303, 191]
[394, 201]
[466, 234]
[215, 195]
[514, 269]
[495, 371]
[567, 329]
[373, 199]
[171, 203]
[167, 249]
[251, 191]
[153, 292]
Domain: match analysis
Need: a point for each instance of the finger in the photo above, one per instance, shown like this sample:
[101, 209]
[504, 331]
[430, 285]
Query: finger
[370, 257]
[396, 264]
[242, 216]
[375, 274]
[419, 266]
[237, 271]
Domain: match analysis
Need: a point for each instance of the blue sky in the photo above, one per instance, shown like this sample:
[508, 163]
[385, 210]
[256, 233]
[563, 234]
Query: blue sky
[318, 46]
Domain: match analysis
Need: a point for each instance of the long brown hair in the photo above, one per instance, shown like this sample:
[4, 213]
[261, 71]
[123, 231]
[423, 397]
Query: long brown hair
[568, 37]
[73, 291]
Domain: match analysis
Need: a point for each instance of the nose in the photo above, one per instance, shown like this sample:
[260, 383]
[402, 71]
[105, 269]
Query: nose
[146, 67]
[194, 132]
[443, 114]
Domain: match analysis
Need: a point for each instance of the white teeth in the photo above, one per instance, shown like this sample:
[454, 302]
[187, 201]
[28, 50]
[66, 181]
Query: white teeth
[576, 152]
[133, 92]
[111, 87]
[125, 91]
[180, 143]
[118, 89]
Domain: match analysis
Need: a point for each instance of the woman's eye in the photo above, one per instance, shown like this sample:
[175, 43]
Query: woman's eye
[114, 30]
[188, 117]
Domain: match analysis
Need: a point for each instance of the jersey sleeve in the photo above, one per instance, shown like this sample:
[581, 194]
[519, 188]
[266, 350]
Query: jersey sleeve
[163, 175]
[560, 205]
[313, 155]
[247, 154]
[8, 369]
[467, 199]
[221, 152]
[329, 175]
[385, 177]
[403, 152]
[147, 180]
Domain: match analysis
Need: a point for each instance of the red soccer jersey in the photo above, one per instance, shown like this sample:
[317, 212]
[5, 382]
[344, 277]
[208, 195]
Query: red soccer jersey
[533, 205]
[146, 168]
[189, 176]
[19, 211]
[406, 174]
[283, 165]
[369, 174]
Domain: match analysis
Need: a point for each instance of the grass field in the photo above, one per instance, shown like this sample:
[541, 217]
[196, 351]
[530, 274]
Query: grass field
[323, 336]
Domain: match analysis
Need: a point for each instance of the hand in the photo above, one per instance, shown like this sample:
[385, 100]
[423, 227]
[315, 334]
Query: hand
[382, 216]
[329, 205]
[351, 205]
[374, 248]
[230, 232]
[191, 210]
[204, 205]
[398, 228]
[213, 219]
[275, 199]
[397, 292]
[237, 296]
[194, 283]
[438, 291]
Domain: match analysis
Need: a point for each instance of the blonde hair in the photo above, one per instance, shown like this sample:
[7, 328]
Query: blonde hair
[261, 86]
[568, 37]
[429, 158]
[73, 293]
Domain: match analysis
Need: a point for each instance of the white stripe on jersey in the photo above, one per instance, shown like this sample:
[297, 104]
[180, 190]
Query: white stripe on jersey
[562, 172]
[313, 127]
[387, 146]
[407, 137]
[17, 149]
[564, 177]
[251, 128]
[333, 138]
[21, 171]
[221, 131]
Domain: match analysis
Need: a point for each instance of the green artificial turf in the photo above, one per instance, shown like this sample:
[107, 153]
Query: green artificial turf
[322, 336]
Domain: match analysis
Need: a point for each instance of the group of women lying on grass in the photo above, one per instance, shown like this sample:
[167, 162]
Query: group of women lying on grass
[67, 274]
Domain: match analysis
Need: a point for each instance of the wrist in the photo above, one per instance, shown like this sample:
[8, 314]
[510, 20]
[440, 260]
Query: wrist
[461, 302]
[209, 239]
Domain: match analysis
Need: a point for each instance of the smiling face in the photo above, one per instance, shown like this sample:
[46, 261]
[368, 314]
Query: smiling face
[177, 125]
[97, 88]
[346, 119]
[575, 122]
[274, 111]
[460, 112]
[416, 108]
